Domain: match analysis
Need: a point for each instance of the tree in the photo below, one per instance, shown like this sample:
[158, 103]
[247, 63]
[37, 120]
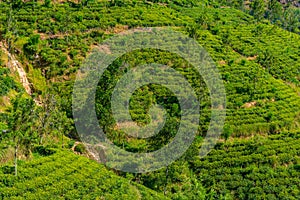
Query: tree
[19, 124]
[275, 10]
[291, 19]
[258, 8]
[31, 47]
[10, 31]
[62, 124]
[44, 116]
[47, 3]
[227, 132]
[51, 119]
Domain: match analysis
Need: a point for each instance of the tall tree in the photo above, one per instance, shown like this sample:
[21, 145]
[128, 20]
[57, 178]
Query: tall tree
[10, 31]
[258, 8]
[20, 126]
[275, 10]
[62, 125]
[51, 120]
[291, 20]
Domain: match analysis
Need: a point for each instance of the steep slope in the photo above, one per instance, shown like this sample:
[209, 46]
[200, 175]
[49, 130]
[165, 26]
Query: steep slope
[8, 83]
[252, 168]
[64, 175]
[246, 52]
[259, 64]
[14, 65]
[256, 168]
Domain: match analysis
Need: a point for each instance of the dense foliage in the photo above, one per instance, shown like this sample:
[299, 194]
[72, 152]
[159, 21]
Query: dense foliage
[6, 81]
[63, 175]
[252, 168]
[285, 14]
[259, 63]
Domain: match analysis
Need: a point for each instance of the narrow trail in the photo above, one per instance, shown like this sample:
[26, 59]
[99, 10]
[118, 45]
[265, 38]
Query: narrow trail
[94, 152]
[15, 66]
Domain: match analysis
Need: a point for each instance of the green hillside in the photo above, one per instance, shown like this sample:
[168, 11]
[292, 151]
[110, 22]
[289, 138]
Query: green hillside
[252, 168]
[64, 175]
[258, 58]
[259, 61]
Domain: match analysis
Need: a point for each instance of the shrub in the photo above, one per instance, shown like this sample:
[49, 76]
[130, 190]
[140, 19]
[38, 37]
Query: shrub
[44, 151]
[80, 148]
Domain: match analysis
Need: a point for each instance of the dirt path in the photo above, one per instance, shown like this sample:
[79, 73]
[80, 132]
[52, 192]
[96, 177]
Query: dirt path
[115, 30]
[15, 66]
[95, 152]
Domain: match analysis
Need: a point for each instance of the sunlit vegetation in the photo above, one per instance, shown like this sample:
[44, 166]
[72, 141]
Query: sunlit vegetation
[256, 49]
[56, 174]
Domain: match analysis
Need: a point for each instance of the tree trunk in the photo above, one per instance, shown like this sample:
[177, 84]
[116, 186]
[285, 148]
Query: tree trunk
[62, 138]
[16, 160]
[165, 187]
[41, 139]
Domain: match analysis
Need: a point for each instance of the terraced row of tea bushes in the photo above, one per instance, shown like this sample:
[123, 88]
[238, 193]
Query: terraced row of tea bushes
[249, 168]
[254, 168]
[64, 175]
[60, 53]
[256, 101]
[276, 50]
